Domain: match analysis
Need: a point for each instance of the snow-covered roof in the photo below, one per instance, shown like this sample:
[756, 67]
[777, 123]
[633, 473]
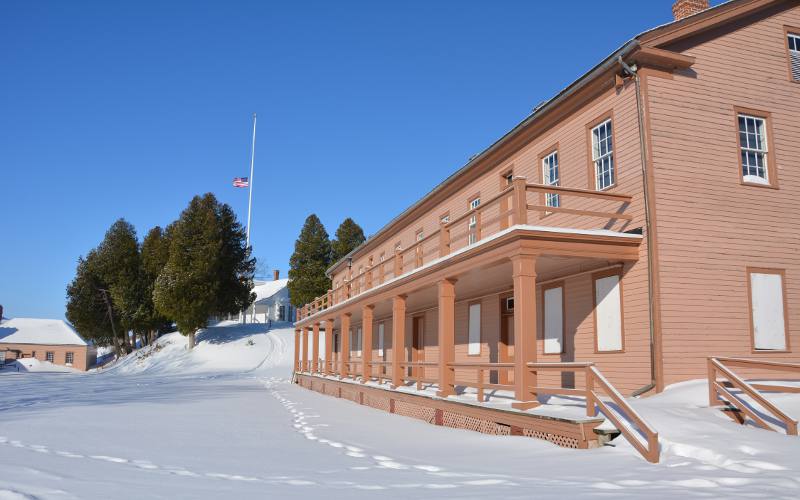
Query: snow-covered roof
[38, 331]
[266, 289]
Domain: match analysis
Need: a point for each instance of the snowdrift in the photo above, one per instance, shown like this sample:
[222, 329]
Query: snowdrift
[227, 347]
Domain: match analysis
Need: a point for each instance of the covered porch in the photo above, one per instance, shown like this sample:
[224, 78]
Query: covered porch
[450, 331]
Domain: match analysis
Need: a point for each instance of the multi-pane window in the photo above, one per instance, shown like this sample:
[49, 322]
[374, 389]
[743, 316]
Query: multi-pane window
[603, 155]
[475, 203]
[550, 177]
[753, 145]
[794, 55]
[473, 226]
[69, 358]
[444, 219]
[49, 356]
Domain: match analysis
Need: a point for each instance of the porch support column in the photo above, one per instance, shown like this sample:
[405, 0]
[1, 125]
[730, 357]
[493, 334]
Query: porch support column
[524, 276]
[366, 348]
[315, 349]
[447, 336]
[398, 339]
[328, 370]
[305, 349]
[297, 350]
[344, 368]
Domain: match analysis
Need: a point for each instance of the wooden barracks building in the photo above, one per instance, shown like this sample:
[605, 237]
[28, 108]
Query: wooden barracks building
[639, 222]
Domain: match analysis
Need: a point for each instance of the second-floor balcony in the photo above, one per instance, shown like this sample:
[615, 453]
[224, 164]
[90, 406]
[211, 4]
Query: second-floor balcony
[512, 208]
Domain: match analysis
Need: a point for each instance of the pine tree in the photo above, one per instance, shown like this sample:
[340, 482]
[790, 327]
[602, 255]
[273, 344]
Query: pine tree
[119, 265]
[86, 309]
[209, 271]
[155, 253]
[349, 235]
[310, 260]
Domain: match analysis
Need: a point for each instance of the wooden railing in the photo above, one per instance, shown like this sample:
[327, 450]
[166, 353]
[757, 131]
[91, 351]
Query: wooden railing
[629, 423]
[513, 210]
[721, 378]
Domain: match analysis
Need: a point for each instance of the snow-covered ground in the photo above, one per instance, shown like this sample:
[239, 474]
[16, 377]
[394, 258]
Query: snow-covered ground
[223, 420]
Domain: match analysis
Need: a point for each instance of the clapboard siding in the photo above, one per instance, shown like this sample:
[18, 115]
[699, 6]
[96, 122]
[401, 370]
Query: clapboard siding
[710, 226]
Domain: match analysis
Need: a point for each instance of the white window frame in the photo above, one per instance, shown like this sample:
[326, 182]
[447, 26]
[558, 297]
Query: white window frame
[603, 155]
[475, 203]
[474, 329]
[50, 356]
[473, 225]
[754, 148]
[767, 295]
[444, 219]
[551, 176]
[69, 358]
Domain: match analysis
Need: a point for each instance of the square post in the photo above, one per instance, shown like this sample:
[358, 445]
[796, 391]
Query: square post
[524, 276]
[305, 350]
[366, 348]
[297, 350]
[328, 346]
[447, 336]
[315, 349]
[398, 339]
[344, 368]
[520, 201]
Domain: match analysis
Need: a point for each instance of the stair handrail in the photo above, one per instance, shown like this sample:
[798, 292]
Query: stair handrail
[650, 448]
[715, 389]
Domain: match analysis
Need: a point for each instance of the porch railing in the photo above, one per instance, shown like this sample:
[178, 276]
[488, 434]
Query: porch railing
[512, 206]
[721, 378]
[630, 424]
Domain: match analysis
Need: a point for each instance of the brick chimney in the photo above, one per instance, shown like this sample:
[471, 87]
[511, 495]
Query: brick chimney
[685, 8]
[276, 274]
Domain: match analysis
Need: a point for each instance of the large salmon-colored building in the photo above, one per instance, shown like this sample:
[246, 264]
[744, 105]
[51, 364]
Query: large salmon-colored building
[642, 220]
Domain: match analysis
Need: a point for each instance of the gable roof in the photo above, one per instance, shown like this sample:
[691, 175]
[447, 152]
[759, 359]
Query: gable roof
[267, 289]
[646, 44]
[38, 331]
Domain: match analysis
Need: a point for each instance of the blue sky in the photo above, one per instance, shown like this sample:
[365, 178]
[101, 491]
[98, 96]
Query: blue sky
[128, 109]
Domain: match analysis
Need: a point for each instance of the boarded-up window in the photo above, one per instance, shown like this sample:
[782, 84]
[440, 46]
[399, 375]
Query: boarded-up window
[474, 347]
[554, 320]
[608, 313]
[766, 302]
[380, 339]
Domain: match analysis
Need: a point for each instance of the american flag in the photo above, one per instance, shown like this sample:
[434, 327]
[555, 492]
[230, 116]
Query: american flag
[240, 182]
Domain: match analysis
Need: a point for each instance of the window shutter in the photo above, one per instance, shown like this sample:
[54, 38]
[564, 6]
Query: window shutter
[795, 58]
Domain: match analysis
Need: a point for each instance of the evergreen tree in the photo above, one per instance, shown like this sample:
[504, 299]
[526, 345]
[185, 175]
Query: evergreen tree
[310, 260]
[155, 253]
[209, 271]
[86, 309]
[349, 235]
[119, 266]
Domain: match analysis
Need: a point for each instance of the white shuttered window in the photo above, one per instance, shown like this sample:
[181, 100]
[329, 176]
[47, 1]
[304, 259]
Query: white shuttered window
[474, 347]
[608, 313]
[554, 320]
[766, 301]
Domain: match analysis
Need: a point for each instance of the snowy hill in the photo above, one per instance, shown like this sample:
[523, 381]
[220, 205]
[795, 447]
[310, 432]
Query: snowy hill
[227, 347]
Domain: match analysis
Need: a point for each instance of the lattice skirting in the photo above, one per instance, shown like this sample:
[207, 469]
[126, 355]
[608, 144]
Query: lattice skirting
[569, 434]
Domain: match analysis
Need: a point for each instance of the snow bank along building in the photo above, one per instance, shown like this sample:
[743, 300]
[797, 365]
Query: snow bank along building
[49, 340]
[637, 223]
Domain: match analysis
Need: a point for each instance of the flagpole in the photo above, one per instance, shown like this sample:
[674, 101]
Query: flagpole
[250, 184]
